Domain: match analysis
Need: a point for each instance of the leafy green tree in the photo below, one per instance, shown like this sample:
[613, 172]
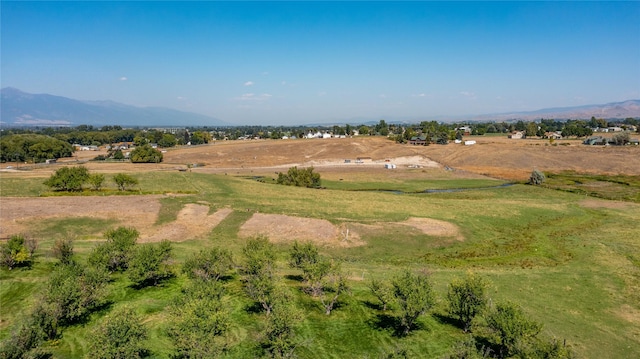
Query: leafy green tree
[118, 155]
[200, 138]
[467, 298]
[145, 154]
[382, 128]
[382, 292]
[150, 264]
[68, 178]
[115, 253]
[124, 180]
[24, 341]
[279, 336]
[119, 336]
[531, 129]
[167, 140]
[96, 181]
[304, 177]
[209, 264]
[333, 286]
[314, 267]
[259, 269]
[466, 349]
[509, 326]
[14, 253]
[414, 296]
[199, 321]
[72, 292]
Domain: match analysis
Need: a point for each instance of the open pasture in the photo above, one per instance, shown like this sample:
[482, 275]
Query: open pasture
[572, 261]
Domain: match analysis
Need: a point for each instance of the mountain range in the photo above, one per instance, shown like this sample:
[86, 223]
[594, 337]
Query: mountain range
[25, 109]
[20, 109]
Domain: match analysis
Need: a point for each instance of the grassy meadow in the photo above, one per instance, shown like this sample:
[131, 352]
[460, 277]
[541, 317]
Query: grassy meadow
[572, 261]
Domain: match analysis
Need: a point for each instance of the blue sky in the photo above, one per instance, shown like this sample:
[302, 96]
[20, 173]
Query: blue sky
[281, 63]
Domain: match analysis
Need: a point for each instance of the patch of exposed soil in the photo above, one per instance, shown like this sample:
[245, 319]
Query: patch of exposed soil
[281, 228]
[434, 227]
[140, 212]
[19, 213]
[194, 221]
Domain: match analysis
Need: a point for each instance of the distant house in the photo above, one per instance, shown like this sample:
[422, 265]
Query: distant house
[466, 130]
[50, 161]
[469, 143]
[389, 166]
[553, 135]
[516, 135]
[364, 160]
[418, 141]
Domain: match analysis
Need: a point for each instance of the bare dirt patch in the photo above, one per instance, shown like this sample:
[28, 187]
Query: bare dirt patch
[434, 227]
[193, 222]
[19, 213]
[140, 212]
[281, 228]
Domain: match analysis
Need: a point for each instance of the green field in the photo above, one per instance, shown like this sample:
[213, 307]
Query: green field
[575, 268]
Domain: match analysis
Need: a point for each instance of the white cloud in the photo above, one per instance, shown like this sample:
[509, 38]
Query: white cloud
[382, 96]
[123, 78]
[248, 83]
[420, 95]
[468, 94]
[322, 93]
[253, 97]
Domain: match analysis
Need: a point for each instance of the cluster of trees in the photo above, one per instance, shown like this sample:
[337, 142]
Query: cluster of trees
[74, 291]
[32, 147]
[200, 322]
[72, 179]
[300, 177]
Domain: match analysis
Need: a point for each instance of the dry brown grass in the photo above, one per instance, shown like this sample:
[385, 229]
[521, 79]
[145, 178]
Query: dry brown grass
[492, 156]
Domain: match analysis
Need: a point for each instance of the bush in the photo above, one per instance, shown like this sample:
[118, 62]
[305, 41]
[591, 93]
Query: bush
[536, 178]
[123, 181]
[14, 253]
[68, 178]
[510, 326]
[119, 336]
[299, 177]
[96, 181]
[63, 250]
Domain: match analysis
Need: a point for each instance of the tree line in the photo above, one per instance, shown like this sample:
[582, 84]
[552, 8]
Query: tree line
[200, 325]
